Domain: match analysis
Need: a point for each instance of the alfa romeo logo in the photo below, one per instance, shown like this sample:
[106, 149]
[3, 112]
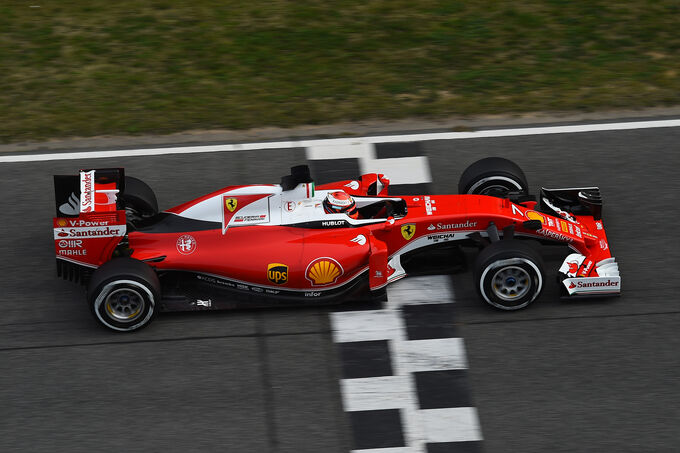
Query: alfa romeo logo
[186, 244]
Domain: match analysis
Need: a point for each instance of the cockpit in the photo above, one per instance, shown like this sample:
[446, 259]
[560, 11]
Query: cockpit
[372, 208]
[302, 203]
[337, 202]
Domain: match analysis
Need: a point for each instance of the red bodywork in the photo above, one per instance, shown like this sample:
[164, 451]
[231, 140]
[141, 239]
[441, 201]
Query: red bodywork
[269, 240]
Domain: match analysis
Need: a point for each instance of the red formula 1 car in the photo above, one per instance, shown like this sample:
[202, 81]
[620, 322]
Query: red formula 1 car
[294, 243]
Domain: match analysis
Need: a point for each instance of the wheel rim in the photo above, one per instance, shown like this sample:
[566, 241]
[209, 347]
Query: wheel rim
[124, 304]
[495, 186]
[511, 283]
[495, 190]
[140, 320]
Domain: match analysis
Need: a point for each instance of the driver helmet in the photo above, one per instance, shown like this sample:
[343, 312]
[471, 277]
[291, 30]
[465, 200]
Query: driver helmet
[339, 202]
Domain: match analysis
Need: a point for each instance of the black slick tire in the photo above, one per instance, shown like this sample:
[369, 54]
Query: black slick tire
[508, 274]
[123, 294]
[139, 197]
[493, 176]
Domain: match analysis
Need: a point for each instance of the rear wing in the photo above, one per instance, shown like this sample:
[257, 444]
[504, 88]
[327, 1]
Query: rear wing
[89, 191]
[90, 220]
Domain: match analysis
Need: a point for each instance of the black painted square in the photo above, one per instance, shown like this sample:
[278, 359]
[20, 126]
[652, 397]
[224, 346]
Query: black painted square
[399, 149]
[440, 389]
[331, 170]
[361, 359]
[409, 189]
[472, 446]
[377, 429]
[359, 305]
[429, 321]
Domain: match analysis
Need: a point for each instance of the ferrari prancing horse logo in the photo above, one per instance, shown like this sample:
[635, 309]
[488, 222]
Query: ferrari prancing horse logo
[231, 203]
[408, 230]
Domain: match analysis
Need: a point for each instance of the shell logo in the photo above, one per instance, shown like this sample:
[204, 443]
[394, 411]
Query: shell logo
[323, 271]
[61, 222]
[533, 215]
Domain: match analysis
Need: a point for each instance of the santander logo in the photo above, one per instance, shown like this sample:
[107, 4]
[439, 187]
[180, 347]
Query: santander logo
[87, 191]
[607, 284]
[573, 267]
[593, 285]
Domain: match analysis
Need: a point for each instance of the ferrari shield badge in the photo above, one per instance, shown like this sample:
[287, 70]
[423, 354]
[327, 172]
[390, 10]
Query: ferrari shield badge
[230, 203]
[408, 230]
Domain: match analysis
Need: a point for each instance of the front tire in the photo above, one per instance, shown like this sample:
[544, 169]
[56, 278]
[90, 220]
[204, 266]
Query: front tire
[494, 176]
[509, 274]
[123, 294]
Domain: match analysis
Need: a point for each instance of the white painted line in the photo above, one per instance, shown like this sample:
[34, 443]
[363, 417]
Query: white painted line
[451, 424]
[389, 450]
[412, 427]
[367, 325]
[359, 150]
[146, 152]
[377, 393]
[430, 355]
[432, 289]
[400, 170]
[342, 141]
[396, 392]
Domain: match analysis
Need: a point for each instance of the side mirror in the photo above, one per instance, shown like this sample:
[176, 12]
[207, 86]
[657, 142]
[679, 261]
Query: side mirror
[389, 223]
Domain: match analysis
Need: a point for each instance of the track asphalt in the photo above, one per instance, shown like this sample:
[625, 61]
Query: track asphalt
[559, 376]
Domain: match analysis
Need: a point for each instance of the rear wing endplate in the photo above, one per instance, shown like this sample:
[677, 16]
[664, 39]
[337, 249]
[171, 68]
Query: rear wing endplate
[90, 191]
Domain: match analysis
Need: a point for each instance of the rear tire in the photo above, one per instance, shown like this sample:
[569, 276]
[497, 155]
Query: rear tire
[509, 274]
[123, 294]
[493, 176]
[139, 198]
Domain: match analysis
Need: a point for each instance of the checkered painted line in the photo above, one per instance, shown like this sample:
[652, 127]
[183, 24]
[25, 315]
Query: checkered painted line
[403, 163]
[404, 373]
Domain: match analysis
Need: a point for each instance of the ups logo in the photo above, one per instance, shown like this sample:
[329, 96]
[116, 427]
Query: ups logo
[277, 273]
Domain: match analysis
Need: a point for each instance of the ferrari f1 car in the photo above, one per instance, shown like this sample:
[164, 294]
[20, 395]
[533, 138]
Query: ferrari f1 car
[279, 244]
